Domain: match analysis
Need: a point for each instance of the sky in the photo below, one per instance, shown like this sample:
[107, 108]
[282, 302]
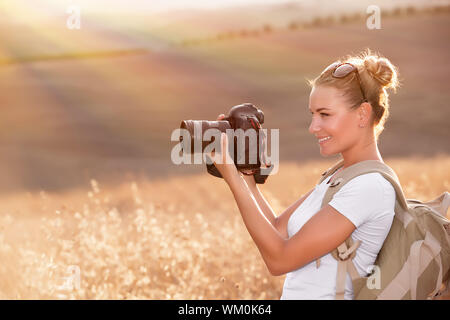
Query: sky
[175, 4]
[23, 11]
[148, 5]
[28, 11]
[52, 7]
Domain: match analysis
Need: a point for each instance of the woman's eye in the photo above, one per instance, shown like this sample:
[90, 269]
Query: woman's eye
[324, 114]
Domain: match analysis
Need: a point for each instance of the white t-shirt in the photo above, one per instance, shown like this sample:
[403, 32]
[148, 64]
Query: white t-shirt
[368, 201]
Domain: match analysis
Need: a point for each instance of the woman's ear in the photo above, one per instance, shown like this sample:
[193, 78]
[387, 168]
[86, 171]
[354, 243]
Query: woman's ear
[364, 112]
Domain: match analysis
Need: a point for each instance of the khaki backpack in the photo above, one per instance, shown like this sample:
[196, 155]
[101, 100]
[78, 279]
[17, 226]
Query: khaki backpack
[414, 261]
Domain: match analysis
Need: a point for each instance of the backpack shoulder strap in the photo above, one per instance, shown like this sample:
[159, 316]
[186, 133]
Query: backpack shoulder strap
[358, 169]
[330, 171]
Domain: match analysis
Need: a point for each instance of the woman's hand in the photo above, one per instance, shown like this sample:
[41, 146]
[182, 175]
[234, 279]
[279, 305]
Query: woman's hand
[249, 179]
[223, 161]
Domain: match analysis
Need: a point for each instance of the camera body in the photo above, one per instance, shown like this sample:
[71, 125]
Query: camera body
[240, 119]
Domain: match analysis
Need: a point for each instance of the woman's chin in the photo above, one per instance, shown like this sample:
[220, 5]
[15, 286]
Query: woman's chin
[323, 151]
[326, 153]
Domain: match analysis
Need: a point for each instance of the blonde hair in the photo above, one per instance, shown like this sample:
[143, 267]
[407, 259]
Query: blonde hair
[377, 75]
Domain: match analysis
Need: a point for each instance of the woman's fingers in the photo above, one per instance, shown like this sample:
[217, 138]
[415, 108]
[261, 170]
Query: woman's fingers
[224, 141]
[221, 155]
[224, 155]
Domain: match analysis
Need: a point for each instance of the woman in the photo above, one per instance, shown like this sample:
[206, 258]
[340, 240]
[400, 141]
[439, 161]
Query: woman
[349, 106]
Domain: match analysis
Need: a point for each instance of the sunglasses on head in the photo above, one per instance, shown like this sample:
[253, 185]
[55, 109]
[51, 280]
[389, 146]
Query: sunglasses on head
[341, 70]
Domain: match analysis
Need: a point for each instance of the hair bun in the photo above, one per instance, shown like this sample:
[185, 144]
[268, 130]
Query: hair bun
[382, 70]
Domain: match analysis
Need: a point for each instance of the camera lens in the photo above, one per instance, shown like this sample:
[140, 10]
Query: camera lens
[195, 131]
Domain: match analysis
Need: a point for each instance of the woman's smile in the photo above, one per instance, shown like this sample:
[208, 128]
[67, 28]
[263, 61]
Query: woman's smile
[324, 140]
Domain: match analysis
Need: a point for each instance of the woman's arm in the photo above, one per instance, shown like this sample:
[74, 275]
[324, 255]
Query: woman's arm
[262, 202]
[326, 230]
[266, 237]
[279, 222]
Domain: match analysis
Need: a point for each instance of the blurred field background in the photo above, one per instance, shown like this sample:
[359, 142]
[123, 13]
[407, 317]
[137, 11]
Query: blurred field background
[86, 177]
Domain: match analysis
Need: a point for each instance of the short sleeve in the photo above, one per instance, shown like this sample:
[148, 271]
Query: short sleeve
[359, 198]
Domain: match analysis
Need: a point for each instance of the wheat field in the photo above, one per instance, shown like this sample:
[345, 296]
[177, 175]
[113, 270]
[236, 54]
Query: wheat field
[175, 238]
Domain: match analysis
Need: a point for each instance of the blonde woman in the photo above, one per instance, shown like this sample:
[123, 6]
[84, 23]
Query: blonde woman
[349, 106]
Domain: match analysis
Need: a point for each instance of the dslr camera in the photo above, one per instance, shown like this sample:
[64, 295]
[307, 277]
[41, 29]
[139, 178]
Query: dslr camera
[243, 121]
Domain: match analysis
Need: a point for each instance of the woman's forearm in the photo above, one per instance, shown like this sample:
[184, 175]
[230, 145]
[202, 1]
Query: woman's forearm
[266, 237]
[263, 204]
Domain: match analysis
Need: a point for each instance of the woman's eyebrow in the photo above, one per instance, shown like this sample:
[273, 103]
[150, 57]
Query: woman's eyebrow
[320, 109]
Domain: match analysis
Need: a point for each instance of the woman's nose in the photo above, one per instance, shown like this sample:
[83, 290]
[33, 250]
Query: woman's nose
[314, 126]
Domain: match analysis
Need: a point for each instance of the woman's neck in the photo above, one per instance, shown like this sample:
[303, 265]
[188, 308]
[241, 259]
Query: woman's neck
[365, 151]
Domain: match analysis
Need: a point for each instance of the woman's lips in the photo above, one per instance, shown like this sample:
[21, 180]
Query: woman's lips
[324, 140]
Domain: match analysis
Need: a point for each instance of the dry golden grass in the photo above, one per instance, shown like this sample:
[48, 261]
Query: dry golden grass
[178, 238]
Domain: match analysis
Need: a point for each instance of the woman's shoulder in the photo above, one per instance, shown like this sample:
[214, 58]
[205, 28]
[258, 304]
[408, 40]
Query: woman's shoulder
[377, 186]
[365, 197]
[372, 186]
[374, 180]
